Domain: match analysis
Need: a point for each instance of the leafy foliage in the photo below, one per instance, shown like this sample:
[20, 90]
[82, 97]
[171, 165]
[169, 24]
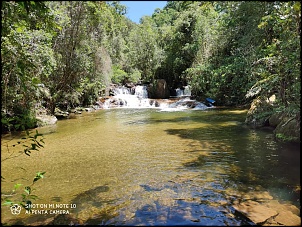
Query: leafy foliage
[26, 195]
[223, 50]
[29, 143]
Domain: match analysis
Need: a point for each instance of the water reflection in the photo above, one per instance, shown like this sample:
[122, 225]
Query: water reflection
[146, 167]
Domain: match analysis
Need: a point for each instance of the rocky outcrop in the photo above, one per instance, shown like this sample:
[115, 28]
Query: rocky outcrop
[256, 212]
[159, 90]
[60, 114]
[262, 209]
[43, 120]
[262, 113]
[269, 213]
[288, 128]
[259, 113]
[43, 117]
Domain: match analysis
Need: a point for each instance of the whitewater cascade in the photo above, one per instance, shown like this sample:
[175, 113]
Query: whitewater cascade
[186, 92]
[138, 98]
[125, 97]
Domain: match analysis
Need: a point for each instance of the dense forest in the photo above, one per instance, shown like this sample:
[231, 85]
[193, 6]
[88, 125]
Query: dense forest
[67, 53]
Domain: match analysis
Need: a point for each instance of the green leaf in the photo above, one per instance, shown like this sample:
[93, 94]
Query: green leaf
[19, 29]
[7, 203]
[38, 176]
[35, 80]
[17, 186]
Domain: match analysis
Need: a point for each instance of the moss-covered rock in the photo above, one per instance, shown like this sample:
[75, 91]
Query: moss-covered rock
[263, 113]
[275, 119]
[259, 113]
[288, 129]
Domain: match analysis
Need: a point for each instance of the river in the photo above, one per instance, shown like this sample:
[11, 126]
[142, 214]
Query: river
[126, 166]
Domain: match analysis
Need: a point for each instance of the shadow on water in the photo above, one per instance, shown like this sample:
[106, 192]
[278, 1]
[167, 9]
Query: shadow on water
[229, 157]
[87, 201]
[170, 207]
[184, 214]
[246, 157]
[90, 197]
[193, 116]
[93, 209]
[223, 156]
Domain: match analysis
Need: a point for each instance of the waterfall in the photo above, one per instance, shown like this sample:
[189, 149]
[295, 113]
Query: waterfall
[179, 92]
[187, 91]
[121, 91]
[123, 97]
[141, 92]
[137, 97]
[183, 92]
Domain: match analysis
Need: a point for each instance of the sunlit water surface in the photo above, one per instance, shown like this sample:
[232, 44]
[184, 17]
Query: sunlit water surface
[151, 167]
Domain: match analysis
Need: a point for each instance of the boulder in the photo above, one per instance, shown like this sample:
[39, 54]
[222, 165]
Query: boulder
[43, 117]
[288, 129]
[159, 90]
[275, 119]
[287, 218]
[262, 113]
[255, 211]
[61, 114]
[259, 113]
[43, 120]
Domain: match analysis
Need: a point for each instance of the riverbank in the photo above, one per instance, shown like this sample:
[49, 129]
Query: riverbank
[285, 126]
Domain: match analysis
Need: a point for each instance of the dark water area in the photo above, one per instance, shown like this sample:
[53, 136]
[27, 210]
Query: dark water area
[129, 166]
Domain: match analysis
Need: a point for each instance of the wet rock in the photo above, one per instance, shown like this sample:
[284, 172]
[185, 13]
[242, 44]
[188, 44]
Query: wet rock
[43, 120]
[288, 214]
[61, 114]
[275, 119]
[289, 129]
[292, 208]
[160, 90]
[288, 218]
[255, 211]
[77, 110]
[258, 196]
[274, 204]
[258, 114]
[43, 116]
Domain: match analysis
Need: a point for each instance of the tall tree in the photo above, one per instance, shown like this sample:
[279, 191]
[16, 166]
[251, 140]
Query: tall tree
[26, 59]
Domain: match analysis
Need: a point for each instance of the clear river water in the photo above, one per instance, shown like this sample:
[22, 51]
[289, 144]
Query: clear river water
[145, 166]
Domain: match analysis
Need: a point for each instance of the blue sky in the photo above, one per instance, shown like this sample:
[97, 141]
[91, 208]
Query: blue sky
[137, 9]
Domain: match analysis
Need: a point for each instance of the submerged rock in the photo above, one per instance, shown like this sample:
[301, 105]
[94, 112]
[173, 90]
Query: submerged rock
[270, 213]
[288, 218]
[256, 212]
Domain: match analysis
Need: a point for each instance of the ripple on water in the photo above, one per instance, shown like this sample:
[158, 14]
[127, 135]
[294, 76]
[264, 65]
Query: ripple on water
[144, 167]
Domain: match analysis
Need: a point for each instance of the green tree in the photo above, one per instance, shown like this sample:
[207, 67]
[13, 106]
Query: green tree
[26, 59]
[144, 53]
[277, 70]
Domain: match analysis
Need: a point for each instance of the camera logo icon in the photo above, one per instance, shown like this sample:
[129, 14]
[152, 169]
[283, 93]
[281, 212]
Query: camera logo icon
[15, 209]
